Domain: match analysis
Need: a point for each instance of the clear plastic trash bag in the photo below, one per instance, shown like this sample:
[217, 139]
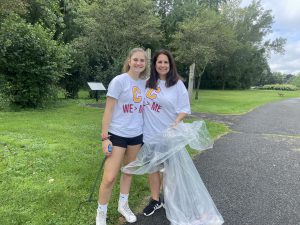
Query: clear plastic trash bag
[186, 199]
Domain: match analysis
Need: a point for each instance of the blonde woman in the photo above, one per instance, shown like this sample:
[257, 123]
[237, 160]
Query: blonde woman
[122, 128]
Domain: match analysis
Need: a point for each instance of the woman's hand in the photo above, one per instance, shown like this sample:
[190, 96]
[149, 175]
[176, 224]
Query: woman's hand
[178, 119]
[175, 124]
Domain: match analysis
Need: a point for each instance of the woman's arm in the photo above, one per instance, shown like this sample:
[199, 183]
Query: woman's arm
[179, 118]
[107, 116]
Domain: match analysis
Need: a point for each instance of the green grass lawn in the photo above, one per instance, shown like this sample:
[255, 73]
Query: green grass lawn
[236, 102]
[48, 163]
[36, 146]
[49, 159]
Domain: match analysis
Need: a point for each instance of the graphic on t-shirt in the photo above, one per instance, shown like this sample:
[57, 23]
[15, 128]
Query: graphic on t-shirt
[136, 94]
[137, 98]
[155, 107]
[152, 94]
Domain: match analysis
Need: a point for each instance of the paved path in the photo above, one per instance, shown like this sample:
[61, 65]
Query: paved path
[226, 119]
[253, 173]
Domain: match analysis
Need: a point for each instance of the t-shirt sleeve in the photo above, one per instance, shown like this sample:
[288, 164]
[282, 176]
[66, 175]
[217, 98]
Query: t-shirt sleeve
[183, 101]
[115, 88]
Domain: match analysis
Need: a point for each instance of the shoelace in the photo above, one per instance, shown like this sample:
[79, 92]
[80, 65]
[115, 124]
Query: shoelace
[156, 206]
[127, 209]
[102, 213]
[102, 216]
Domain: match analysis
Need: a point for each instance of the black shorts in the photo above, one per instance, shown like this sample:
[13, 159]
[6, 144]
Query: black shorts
[124, 141]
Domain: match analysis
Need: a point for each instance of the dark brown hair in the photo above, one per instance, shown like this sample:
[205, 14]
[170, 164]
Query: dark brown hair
[172, 76]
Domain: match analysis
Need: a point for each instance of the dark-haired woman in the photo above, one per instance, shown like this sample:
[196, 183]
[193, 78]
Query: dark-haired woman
[186, 200]
[166, 104]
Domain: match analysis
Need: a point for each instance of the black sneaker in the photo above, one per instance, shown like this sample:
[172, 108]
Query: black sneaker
[152, 206]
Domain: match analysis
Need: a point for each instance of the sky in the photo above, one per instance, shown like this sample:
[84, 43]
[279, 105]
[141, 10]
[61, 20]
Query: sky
[286, 15]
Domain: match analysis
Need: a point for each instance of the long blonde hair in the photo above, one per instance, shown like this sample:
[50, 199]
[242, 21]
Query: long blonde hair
[126, 66]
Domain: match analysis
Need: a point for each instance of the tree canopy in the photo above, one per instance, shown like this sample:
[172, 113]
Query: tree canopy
[69, 42]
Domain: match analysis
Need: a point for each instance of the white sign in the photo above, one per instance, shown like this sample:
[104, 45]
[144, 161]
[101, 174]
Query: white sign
[94, 86]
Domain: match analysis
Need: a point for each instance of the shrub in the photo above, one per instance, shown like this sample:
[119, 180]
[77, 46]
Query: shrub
[295, 80]
[3, 102]
[282, 87]
[31, 63]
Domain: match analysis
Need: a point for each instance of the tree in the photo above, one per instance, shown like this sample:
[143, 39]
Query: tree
[202, 40]
[17, 6]
[295, 80]
[31, 63]
[70, 11]
[247, 65]
[46, 13]
[213, 4]
[108, 32]
[173, 12]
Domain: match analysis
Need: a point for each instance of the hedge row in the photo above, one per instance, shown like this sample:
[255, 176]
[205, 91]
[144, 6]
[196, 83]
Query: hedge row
[283, 87]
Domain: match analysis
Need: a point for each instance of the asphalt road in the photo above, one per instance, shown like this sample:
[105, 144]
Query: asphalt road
[253, 173]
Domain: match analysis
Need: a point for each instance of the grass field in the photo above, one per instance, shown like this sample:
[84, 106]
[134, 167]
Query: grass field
[236, 102]
[49, 159]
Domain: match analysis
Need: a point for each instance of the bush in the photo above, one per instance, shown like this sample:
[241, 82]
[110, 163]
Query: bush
[3, 102]
[31, 63]
[282, 87]
[295, 80]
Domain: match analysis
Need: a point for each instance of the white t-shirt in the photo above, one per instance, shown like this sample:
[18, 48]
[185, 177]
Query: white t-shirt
[162, 106]
[127, 118]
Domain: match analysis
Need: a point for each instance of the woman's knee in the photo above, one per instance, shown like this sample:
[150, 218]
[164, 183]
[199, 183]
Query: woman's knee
[108, 181]
[127, 176]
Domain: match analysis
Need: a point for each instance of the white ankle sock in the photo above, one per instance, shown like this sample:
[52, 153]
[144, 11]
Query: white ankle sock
[123, 197]
[102, 208]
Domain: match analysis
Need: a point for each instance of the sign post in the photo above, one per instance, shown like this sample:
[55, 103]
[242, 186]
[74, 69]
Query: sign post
[95, 86]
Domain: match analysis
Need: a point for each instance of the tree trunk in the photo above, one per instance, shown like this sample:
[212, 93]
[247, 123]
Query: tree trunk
[199, 81]
[198, 85]
[223, 77]
[191, 80]
[148, 51]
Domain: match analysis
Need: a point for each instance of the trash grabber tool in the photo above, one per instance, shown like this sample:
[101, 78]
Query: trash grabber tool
[90, 198]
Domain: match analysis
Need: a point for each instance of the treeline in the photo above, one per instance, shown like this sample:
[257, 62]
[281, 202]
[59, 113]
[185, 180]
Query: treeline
[46, 46]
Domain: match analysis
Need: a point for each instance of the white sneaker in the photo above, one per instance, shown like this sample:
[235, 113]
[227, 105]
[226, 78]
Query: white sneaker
[101, 218]
[124, 209]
